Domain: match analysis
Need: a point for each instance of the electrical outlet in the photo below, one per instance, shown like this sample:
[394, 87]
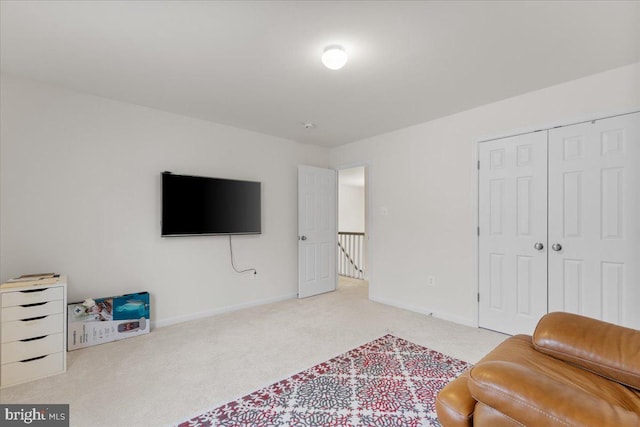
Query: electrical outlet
[431, 280]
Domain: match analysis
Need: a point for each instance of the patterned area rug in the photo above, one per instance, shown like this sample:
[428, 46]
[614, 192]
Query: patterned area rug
[387, 382]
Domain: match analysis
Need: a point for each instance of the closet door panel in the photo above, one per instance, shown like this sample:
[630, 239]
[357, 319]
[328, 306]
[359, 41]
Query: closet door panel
[594, 217]
[512, 219]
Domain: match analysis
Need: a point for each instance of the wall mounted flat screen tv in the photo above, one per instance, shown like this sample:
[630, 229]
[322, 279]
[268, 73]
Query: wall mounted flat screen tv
[195, 205]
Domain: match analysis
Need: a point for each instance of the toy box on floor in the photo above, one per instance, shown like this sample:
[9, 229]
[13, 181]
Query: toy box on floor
[107, 319]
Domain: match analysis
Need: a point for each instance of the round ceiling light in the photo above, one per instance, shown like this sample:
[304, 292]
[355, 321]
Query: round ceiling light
[334, 57]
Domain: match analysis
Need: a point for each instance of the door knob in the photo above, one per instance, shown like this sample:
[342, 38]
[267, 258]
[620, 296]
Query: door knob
[303, 237]
[556, 247]
[538, 246]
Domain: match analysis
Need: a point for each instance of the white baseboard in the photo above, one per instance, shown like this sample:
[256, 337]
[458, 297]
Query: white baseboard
[215, 311]
[427, 311]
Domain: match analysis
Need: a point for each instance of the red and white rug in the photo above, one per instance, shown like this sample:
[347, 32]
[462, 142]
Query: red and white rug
[388, 382]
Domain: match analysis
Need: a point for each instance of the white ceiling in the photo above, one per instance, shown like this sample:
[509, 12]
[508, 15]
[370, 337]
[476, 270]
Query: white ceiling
[256, 64]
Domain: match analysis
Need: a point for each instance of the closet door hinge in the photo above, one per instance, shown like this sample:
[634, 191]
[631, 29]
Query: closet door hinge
[478, 231]
[478, 296]
[478, 164]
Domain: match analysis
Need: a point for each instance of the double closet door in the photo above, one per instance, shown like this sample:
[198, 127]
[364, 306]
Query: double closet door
[559, 225]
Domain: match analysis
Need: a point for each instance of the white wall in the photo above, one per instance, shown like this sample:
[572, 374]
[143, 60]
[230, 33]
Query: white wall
[80, 194]
[423, 177]
[351, 208]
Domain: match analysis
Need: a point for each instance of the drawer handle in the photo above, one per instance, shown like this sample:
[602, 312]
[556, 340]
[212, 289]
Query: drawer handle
[35, 304]
[34, 339]
[33, 358]
[29, 291]
[32, 318]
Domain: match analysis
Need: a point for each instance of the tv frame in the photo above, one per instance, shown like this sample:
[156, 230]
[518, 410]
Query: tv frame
[212, 233]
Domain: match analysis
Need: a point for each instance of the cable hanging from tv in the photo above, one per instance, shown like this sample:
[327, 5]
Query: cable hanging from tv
[233, 263]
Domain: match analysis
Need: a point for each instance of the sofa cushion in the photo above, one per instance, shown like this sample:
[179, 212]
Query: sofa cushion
[521, 373]
[531, 398]
[536, 389]
[519, 349]
[606, 349]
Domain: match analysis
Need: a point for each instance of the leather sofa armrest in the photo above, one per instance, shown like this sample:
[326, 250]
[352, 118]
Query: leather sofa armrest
[531, 399]
[606, 349]
[454, 403]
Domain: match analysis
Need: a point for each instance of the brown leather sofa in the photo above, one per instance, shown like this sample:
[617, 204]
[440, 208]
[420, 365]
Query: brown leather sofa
[574, 371]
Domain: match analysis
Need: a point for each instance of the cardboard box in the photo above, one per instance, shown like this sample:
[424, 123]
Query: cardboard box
[109, 319]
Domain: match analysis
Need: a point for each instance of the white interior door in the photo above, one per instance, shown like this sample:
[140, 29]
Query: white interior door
[594, 214]
[513, 233]
[317, 230]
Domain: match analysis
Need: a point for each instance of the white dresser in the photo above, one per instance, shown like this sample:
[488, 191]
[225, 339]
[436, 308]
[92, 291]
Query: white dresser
[33, 329]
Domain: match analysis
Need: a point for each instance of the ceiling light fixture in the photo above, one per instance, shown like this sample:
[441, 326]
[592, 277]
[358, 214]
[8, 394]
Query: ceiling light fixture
[334, 57]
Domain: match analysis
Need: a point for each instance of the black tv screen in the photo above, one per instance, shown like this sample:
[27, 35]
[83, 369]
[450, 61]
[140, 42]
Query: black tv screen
[195, 205]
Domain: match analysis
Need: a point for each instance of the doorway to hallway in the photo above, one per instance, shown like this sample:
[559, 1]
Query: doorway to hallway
[353, 238]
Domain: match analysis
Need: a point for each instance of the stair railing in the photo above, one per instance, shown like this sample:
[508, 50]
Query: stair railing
[351, 254]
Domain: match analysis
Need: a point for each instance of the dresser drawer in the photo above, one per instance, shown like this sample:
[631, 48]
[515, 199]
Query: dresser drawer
[53, 293]
[19, 372]
[21, 350]
[32, 310]
[20, 329]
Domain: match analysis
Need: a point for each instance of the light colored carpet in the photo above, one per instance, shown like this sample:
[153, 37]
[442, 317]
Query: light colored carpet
[180, 371]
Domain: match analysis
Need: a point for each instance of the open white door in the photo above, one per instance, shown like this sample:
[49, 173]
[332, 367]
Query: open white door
[317, 230]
